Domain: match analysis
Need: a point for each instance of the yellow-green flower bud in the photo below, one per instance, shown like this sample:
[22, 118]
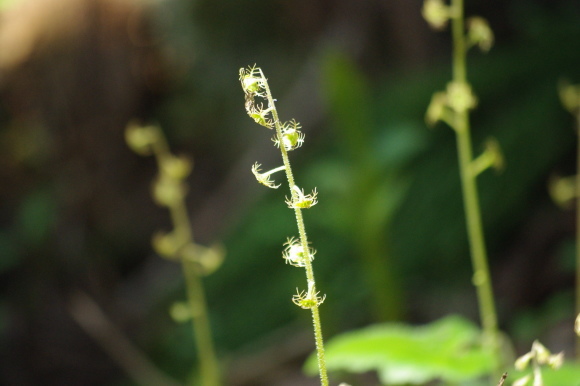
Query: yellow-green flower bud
[541, 352]
[460, 97]
[555, 361]
[141, 138]
[523, 361]
[207, 259]
[570, 96]
[479, 33]
[167, 245]
[436, 13]
[168, 191]
[436, 109]
[180, 312]
[176, 167]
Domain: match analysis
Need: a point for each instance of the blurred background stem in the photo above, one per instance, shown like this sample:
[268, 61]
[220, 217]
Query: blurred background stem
[577, 116]
[170, 191]
[209, 368]
[481, 275]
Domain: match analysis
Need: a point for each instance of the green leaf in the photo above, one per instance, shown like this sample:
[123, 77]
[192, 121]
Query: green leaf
[447, 349]
[349, 99]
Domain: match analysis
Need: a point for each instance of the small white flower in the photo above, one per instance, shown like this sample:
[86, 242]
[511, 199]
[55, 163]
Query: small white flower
[252, 80]
[294, 253]
[301, 200]
[308, 299]
[292, 137]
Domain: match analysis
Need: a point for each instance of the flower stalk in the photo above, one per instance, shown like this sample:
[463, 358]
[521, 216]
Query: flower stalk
[566, 189]
[169, 190]
[288, 137]
[452, 107]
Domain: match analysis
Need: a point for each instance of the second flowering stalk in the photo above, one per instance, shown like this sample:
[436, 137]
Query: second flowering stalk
[287, 137]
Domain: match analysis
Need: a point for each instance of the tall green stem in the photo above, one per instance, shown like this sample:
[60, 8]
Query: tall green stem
[304, 242]
[481, 277]
[209, 368]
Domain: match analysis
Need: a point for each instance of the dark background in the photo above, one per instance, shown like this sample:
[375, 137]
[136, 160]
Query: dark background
[76, 215]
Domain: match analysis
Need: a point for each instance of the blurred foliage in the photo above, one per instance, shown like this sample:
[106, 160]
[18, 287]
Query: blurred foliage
[567, 375]
[446, 349]
[516, 86]
[381, 175]
[371, 172]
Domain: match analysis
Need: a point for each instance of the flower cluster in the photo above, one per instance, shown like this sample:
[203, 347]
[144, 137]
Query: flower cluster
[261, 108]
[457, 98]
[169, 190]
[438, 14]
[538, 356]
[255, 87]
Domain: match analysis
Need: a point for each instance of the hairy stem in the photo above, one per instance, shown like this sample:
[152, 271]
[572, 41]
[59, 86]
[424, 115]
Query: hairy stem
[303, 241]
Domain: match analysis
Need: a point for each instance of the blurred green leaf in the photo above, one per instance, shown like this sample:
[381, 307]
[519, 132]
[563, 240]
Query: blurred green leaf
[8, 252]
[446, 349]
[36, 216]
[349, 99]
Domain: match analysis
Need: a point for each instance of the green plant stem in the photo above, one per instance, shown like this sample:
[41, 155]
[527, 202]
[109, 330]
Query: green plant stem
[304, 242]
[209, 367]
[578, 230]
[208, 363]
[459, 48]
[481, 277]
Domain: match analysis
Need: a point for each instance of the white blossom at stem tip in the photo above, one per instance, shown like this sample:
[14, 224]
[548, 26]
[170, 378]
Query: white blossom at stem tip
[252, 81]
[292, 137]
